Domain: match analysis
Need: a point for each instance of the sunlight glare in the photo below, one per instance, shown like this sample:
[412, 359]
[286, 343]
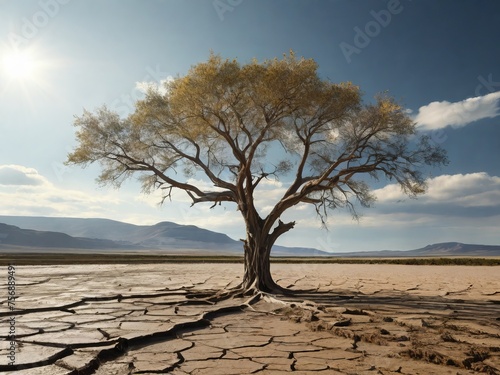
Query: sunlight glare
[19, 65]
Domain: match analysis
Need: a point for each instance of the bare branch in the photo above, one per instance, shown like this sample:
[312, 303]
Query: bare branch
[225, 124]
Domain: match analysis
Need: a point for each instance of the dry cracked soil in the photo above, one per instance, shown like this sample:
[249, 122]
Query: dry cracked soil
[341, 319]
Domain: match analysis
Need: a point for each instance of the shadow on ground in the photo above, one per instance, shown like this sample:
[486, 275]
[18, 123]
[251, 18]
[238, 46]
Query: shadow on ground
[132, 327]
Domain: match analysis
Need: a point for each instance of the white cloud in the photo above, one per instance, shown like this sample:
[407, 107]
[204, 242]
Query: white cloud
[467, 189]
[472, 190]
[438, 115]
[458, 207]
[446, 187]
[17, 175]
[161, 87]
[23, 191]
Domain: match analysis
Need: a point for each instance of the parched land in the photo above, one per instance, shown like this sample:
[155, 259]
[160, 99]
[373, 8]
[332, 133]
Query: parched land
[42, 256]
[341, 319]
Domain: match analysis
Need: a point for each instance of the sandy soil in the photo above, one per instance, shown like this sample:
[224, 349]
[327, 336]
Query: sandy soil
[343, 319]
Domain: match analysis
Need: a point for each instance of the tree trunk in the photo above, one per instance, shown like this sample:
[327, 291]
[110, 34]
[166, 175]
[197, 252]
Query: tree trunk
[261, 237]
[257, 248]
[257, 274]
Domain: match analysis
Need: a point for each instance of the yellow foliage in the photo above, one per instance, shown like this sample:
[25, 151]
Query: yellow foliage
[222, 117]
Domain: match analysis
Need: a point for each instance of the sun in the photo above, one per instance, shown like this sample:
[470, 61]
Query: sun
[19, 65]
[28, 72]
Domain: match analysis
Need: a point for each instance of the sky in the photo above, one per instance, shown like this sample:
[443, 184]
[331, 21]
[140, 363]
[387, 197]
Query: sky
[439, 59]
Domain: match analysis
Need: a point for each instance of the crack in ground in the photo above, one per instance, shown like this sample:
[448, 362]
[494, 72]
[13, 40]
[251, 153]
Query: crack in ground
[45, 362]
[35, 283]
[68, 307]
[409, 325]
[125, 345]
[180, 361]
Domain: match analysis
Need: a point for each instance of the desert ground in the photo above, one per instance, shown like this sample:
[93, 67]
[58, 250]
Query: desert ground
[342, 319]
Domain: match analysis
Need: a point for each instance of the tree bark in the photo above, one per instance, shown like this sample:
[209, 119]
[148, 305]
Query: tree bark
[257, 274]
[257, 247]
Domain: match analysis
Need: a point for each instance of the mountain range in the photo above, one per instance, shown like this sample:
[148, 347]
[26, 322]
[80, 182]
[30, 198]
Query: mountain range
[443, 249]
[105, 234]
[72, 234]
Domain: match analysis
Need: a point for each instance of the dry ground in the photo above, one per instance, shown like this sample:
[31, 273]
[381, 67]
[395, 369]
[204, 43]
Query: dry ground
[344, 319]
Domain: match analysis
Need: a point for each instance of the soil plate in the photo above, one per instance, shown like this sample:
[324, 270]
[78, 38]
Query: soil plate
[341, 319]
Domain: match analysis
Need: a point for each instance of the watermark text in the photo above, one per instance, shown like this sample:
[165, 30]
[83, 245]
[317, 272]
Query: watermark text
[11, 304]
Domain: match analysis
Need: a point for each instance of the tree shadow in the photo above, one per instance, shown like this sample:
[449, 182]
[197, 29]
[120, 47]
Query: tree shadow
[395, 301]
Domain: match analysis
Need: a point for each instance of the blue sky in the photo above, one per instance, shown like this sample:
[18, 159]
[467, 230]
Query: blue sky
[440, 59]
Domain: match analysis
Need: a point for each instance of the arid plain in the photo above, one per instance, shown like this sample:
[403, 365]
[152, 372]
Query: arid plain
[342, 319]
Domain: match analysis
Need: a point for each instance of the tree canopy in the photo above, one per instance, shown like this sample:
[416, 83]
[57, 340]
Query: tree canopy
[225, 120]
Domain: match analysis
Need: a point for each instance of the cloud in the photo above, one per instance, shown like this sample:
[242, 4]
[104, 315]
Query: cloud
[467, 195]
[17, 175]
[460, 207]
[438, 115]
[23, 191]
[160, 87]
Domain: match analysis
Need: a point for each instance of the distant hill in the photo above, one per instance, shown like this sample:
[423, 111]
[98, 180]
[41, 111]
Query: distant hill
[458, 249]
[166, 236]
[164, 233]
[440, 249]
[12, 235]
[79, 233]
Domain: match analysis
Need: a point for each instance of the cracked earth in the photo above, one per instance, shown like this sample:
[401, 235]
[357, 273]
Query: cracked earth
[342, 319]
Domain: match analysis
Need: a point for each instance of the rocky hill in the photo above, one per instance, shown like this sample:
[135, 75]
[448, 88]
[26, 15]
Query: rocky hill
[110, 234]
[11, 235]
[79, 233]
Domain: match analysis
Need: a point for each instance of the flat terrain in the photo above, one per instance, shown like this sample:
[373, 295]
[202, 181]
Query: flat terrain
[26, 257]
[342, 319]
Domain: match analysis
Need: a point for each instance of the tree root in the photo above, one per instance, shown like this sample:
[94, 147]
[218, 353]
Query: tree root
[239, 291]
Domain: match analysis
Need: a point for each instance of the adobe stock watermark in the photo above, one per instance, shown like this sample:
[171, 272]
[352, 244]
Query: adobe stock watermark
[123, 106]
[486, 84]
[30, 26]
[363, 36]
[223, 6]
[126, 102]
[60, 169]
[11, 305]
[438, 136]
[326, 243]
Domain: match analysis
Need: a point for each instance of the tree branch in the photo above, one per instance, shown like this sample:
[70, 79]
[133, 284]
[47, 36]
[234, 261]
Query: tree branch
[280, 229]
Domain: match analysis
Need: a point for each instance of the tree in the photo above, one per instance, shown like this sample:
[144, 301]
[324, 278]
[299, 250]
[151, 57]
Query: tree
[222, 120]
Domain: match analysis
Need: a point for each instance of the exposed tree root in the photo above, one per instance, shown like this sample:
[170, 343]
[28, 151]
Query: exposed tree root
[318, 311]
[239, 291]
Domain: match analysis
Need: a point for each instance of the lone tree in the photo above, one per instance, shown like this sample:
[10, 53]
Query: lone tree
[223, 120]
